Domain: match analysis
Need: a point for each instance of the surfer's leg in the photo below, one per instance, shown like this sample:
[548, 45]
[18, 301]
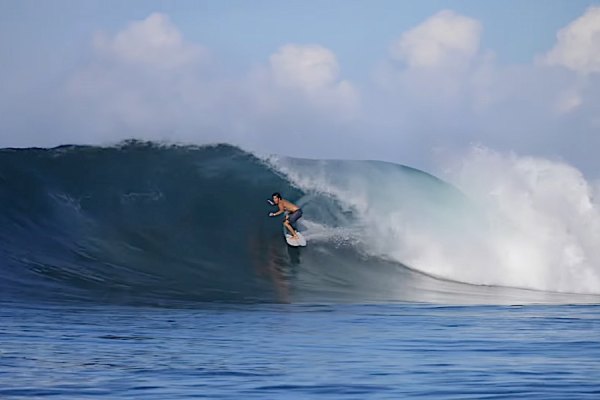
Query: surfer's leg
[290, 228]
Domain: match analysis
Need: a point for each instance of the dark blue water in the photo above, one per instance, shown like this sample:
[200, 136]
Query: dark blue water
[300, 351]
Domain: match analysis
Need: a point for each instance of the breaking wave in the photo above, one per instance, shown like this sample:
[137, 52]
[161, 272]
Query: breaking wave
[145, 223]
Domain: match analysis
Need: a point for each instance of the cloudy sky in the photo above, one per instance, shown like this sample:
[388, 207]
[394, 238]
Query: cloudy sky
[401, 81]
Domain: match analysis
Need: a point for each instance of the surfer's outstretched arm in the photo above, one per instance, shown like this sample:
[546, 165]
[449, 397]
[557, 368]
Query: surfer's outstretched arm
[274, 214]
[281, 211]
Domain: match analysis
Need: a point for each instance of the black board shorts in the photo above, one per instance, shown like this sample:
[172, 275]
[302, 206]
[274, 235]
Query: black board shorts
[295, 216]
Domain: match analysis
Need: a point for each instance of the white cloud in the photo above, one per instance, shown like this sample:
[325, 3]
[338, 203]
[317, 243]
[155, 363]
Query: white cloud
[448, 92]
[154, 42]
[314, 71]
[148, 81]
[439, 64]
[145, 80]
[578, 44]
[305, 67]
[446, 39]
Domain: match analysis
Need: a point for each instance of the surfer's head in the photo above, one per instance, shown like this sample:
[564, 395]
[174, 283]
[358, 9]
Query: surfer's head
[276, 197]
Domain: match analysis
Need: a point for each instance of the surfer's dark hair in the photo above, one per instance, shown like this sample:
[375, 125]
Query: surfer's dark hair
[276, 194]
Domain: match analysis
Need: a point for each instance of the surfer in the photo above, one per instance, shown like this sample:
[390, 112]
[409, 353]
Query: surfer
[294, 213]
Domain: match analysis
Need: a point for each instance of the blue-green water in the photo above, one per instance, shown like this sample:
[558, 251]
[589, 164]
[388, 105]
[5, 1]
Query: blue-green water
[385, 351]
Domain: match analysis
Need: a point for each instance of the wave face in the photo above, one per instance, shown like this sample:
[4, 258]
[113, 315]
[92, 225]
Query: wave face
[143, 223]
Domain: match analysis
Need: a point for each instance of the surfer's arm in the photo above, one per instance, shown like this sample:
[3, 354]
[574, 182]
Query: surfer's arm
[281, 211]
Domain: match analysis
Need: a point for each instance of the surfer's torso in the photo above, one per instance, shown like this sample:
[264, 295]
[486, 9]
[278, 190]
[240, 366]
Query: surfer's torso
[290, 207]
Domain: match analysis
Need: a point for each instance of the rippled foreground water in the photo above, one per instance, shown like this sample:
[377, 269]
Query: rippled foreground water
[300, 351]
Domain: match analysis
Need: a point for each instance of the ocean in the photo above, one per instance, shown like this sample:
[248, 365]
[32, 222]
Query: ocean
[153, 271]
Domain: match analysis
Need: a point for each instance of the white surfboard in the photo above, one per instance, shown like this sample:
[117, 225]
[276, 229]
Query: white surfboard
[300, 242]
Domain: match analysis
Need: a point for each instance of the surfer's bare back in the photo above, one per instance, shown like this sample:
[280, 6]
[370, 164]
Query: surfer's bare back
[293, 212]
